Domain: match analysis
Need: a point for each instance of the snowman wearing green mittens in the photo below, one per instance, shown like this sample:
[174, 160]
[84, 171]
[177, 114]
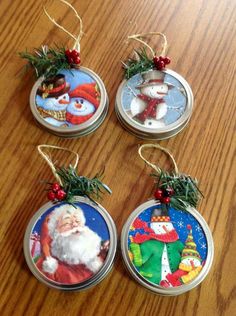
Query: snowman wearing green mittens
[156, 252]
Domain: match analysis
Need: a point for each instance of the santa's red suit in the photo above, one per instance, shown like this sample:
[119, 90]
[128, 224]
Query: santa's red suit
[70, 259]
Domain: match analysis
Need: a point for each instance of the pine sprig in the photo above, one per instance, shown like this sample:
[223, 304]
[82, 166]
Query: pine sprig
[186, 191]
[141, 64]
[47, 61]
[76, 185]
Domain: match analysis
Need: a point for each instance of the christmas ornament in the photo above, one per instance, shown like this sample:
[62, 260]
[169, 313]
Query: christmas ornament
[152, 102]
[70, 242]
[166, 244]
[68, 99]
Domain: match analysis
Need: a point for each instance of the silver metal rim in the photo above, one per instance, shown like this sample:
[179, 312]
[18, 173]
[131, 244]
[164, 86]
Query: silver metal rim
[87, 131]
[149, 136]
[155, 288]
[158, 133]
[93, 121]
[106, 268]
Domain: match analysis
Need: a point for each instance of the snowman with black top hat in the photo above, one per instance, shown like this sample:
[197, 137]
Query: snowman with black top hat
[54, 99]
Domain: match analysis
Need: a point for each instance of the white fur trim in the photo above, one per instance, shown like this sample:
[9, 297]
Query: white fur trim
[58, 211]
[50, 265]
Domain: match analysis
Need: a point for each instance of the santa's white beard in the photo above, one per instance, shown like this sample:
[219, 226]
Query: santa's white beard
[81, 248]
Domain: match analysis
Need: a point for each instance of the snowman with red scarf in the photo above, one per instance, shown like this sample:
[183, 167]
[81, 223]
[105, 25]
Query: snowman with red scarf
[149, 107]
[84, 101]
[156, 251]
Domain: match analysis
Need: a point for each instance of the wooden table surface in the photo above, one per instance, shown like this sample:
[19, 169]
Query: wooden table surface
[201, 36]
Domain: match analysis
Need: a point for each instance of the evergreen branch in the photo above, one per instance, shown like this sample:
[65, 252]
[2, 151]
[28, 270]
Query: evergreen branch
[47, 61]
[133, 66]
[186, 191]
[75, 185]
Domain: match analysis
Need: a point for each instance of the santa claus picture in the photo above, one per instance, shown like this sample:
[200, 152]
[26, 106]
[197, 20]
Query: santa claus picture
[71, 252]
[152, 103]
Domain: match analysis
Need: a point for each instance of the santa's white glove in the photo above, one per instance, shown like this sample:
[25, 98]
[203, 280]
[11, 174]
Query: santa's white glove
[50, 265]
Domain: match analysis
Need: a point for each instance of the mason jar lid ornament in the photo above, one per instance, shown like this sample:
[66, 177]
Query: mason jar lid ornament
[152, 102]
[68, 99]
[70, 242]
[166, 244]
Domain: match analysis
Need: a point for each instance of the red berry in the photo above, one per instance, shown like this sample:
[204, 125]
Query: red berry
[70, 60]
[155, 59]
[74, 53]
[51, 195]
[68, 52]
[160, 65]
[189, 227]
[158, 194]
[167, 60]
[60, 195]
[55, 187]
[76, 60]
[162, 58]
[165, 200]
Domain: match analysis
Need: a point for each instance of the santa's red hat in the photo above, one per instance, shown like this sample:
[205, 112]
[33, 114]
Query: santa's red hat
[87, 91]
[49, 231]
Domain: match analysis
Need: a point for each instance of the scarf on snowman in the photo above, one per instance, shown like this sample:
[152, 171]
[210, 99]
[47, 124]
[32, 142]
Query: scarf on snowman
[151, 108]
[76, 120]
[170, 236]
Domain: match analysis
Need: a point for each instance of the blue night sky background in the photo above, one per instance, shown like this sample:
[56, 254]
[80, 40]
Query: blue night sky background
[75, 79]
[180, 220]
[94, 220]
[174, 98]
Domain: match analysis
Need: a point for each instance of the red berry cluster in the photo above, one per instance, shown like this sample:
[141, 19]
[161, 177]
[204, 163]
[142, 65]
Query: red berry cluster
[56, 193]
[164, 195]
[161, 62]
[73, 56]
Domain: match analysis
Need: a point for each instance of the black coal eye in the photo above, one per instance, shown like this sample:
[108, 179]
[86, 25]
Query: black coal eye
[77, 101]
[81, 101]
[64, 97]
[56, 98]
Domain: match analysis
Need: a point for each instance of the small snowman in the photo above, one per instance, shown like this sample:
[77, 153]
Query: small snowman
[53, 99]
[84, 102]
[149, 107]
[189, 267]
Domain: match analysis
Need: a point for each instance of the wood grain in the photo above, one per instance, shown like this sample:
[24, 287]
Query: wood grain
[201, 35]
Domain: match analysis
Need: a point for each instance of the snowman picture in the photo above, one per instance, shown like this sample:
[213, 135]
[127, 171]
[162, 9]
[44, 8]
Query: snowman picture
[157, 252]
[84, 101]
[149, 106]
[189, 267]
[52, 100]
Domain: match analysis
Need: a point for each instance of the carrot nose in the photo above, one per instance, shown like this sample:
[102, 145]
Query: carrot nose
[62, 101]
[192, 263]
[165, 229]
[78, 105]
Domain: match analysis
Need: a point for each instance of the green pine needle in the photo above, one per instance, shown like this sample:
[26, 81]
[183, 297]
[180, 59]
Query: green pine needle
[47, 61]
[75, 185]
[186, 192]
[134, 66]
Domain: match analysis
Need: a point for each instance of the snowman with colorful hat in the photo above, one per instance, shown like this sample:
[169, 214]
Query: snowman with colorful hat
[190, 265]
[84, 101]
[52, 100]
[149, 107]
[156, 252]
